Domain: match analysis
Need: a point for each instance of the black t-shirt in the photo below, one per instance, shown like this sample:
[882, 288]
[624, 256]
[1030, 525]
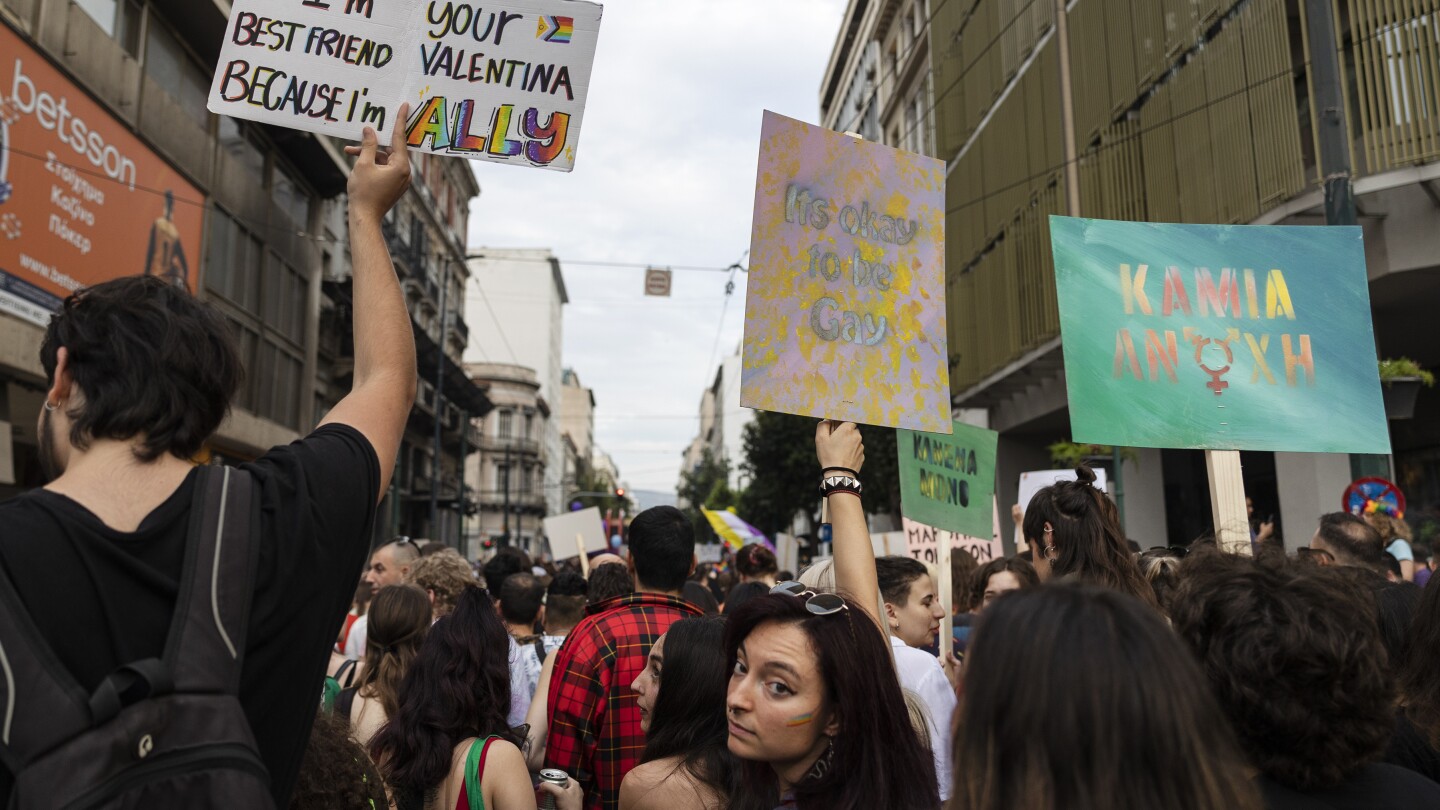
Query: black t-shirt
[1375, 787]
[104, 598]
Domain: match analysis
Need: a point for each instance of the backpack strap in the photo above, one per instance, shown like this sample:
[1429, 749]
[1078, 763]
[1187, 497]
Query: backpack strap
[206, 645]
[41, 705]
[345, 673]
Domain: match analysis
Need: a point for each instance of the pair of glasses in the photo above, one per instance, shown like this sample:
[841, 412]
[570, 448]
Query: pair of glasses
[820, 604]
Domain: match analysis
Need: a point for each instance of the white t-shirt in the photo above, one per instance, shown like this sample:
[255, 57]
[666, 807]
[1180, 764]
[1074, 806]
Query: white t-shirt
[519, 682]
[921, 674]
[355, 642]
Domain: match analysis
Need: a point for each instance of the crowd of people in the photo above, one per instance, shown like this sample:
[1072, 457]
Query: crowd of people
[165, 628]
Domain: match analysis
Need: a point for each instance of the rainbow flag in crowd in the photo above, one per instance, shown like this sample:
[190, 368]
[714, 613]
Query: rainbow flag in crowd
[735, 531]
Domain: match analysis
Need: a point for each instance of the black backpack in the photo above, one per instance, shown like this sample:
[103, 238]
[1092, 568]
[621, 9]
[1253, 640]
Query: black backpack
[166, 732]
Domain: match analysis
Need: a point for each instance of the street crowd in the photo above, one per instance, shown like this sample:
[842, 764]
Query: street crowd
[176, 635]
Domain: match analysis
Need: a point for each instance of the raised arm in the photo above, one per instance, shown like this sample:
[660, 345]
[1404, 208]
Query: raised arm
[840, 450]
[384, 388]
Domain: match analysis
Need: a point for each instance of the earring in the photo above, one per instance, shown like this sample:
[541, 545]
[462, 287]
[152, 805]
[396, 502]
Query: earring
[51, 408]
[822, 765]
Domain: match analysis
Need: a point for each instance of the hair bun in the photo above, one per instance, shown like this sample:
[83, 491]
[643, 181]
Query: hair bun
[1084, 474]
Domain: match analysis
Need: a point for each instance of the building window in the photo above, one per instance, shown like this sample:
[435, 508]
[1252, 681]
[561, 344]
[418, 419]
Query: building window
[290, 197]
[503, 424]
[240, 148]
[118, 19]
[169, 65]
[265, 302]
[529, 422]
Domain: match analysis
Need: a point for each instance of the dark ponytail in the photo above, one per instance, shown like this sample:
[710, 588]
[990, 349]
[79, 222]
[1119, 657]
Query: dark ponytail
[1086, 534]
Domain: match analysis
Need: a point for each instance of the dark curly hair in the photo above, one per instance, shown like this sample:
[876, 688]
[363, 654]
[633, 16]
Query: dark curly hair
[1294, 655]
[335, 773]
[150, 360]
[1418, 681]
[458, 687]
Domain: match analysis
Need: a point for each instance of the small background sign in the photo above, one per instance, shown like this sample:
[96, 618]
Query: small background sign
[948, 481]
[923, 542]
[657, 281]
[561, 530]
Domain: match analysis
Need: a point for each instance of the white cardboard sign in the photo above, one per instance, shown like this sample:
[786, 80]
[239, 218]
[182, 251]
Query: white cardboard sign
[503, 82]
[1033, 482]
[563, 531]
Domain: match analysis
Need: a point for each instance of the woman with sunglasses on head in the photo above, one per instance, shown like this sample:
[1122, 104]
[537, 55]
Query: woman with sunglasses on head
[1074, 531]
[681, 695]
[815, 710]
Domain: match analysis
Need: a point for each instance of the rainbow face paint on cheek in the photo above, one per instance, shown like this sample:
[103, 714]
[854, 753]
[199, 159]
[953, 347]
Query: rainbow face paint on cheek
[800, 720]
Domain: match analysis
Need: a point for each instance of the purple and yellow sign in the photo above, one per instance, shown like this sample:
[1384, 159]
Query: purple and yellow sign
[845, 310]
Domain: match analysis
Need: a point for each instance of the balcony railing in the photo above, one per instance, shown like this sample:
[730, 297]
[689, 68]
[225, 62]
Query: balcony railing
[493, 444]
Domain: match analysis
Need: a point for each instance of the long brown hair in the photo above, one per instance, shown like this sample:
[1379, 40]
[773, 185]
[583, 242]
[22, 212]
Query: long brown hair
[1046, 724]
[399, 617]
[1087, 536]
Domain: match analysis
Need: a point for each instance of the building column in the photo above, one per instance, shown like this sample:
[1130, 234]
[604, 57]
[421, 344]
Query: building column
[1145, 499]
[1310, 485]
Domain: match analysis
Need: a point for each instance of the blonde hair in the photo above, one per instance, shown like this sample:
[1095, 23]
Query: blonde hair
[446, 575]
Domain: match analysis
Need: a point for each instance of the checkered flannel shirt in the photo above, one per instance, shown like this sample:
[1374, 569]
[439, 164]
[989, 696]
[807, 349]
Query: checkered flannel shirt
[595, 731]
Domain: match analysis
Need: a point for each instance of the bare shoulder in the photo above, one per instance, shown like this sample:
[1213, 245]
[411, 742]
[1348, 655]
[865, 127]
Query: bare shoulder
[661, 785]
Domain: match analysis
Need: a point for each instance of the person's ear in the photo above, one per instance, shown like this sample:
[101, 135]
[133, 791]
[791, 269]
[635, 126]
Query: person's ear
[540, 617]
[431, 593]
[60, 389]
[694, 563]
[892, 617]
[832, 725]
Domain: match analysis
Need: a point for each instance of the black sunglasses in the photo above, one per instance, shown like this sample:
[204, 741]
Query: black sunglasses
[820, 604]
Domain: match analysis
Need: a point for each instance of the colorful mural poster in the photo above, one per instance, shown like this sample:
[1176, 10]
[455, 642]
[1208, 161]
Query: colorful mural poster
[845, 308]
[503, 82]
[948, 482]
[82, 200]
[1218, 337]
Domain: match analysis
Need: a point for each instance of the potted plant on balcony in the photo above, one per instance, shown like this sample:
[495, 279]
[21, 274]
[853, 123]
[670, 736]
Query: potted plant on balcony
[1066, 454]
[1401, 380]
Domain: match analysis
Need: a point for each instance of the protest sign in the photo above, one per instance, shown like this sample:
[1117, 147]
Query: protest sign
[82, 200]
[708, 552]
[1033, 482]
[501, 82]
[887, 544]
[845, 305]
[787, 552]
[923, 542]
[948, 481]
[1218, 337]
[574, 534]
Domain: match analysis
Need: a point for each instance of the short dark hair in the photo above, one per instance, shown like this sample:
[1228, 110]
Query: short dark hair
[742, 593]
[521, 596]
[662, 547]
[506, 561]
[1351, 540]
[151, 361]
[1294, 655]
[568, 582]
[609, 581]
[896, 574]
[1020, 567]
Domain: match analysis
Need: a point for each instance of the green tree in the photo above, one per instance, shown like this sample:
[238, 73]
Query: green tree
[707, 485]
[785, 477]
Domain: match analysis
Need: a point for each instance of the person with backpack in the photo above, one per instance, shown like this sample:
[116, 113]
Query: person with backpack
[164, 626]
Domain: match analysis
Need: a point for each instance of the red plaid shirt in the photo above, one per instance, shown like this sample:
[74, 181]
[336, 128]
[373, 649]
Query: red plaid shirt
[595, 731]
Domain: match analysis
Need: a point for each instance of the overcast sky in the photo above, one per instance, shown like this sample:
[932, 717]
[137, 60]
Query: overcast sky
[664, 174]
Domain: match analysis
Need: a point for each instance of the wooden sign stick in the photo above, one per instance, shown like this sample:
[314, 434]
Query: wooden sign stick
[584, 560]
[942, 561]
[1227, 501]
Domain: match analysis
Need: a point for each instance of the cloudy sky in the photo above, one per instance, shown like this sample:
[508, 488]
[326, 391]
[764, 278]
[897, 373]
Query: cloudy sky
[664, 175]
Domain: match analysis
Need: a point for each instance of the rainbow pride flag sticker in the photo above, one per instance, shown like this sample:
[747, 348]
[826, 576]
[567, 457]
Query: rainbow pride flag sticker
[555, 29]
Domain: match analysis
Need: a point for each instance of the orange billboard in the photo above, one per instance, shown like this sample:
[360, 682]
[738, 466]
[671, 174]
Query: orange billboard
[82, 199]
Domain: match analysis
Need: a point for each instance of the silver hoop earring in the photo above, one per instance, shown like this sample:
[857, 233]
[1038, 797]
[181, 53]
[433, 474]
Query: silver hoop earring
[51, 408]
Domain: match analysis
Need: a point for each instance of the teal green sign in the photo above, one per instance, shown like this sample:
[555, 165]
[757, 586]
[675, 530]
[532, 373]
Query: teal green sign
[948, 482]
[1219, 337]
